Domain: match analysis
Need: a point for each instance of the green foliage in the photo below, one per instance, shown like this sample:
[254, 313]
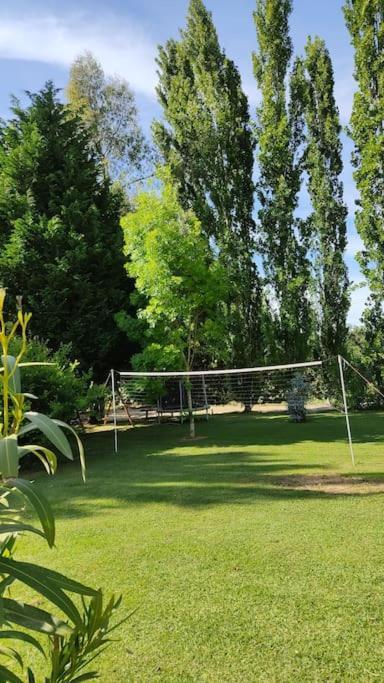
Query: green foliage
[61, 390]
[107, 107]
[206, 141]
[73, 639]
[182, 285]
[61, 243]
[69, 642]
[367, 356]
[282, 235]
[327, 224]
[154, 355]
[365, 21]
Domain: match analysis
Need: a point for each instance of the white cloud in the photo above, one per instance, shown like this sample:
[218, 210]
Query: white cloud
[121, 46]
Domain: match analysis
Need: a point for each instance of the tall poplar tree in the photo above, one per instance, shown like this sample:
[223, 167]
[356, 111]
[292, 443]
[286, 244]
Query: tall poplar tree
[365, 21]
[207, 143]
[278, 136]
[323, 163]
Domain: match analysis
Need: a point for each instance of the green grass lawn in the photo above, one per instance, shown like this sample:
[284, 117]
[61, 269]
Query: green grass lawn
[237, 575]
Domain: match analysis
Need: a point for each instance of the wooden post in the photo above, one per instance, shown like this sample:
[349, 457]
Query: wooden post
[192, 432]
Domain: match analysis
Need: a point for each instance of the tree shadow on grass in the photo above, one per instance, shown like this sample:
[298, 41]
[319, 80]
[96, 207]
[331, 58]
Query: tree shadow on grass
[237, 430]
[279, 430]
[147, 472]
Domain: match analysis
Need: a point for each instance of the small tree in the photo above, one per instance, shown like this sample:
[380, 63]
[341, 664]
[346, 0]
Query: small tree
[182, 286]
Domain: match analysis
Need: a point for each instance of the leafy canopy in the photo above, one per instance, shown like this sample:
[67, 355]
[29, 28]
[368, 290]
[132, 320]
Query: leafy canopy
[181, 285]
[106, 105]
[282, 239]
[207, 142]
[327, 222]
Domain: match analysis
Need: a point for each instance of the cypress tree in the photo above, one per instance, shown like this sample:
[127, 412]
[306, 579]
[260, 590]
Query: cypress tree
[206, 141]
[61, 243]
[278, 131]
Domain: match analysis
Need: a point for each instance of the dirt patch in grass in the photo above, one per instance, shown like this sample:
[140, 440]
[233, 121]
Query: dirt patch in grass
[331, 484]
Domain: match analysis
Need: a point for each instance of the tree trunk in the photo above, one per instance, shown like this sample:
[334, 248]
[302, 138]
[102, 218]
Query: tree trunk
[190, 412]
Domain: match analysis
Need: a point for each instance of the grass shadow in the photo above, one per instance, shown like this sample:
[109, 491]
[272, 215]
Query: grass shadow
[261, 459]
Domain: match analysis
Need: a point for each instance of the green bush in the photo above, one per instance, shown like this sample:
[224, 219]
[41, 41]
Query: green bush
[62, 391]
[362, 394]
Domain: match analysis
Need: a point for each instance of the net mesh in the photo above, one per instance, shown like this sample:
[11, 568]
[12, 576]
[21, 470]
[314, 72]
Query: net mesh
[281, 387]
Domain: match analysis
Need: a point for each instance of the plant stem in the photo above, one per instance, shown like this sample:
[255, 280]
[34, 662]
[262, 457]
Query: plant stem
[4, 345]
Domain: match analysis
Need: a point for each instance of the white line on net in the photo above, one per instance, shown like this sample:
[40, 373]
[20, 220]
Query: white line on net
[204, 373]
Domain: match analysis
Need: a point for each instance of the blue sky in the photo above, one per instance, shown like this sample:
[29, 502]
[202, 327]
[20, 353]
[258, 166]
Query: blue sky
[40, 38]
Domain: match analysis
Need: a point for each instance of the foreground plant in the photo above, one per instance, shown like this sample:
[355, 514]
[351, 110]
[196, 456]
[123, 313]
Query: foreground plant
[75, 636]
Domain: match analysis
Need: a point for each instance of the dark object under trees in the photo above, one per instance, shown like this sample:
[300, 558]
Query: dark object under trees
[296, 398]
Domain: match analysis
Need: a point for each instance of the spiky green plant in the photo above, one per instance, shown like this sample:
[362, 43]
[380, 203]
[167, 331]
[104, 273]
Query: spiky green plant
[72, 635]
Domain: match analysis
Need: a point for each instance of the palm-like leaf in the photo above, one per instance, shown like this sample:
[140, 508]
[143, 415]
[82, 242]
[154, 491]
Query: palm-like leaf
[64, 425]
[51, 430]
[9, 456]
[32, 618]
[72, 645]
[39, 504]
[45, 455]
[14, 380]
[6, 676]
[23, 637]
[32, 576]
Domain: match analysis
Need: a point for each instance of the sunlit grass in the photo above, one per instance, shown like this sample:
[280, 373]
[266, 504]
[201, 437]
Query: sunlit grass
[237, 575]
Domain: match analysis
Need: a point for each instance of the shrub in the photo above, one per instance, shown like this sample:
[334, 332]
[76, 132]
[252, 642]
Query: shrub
[62, 391]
